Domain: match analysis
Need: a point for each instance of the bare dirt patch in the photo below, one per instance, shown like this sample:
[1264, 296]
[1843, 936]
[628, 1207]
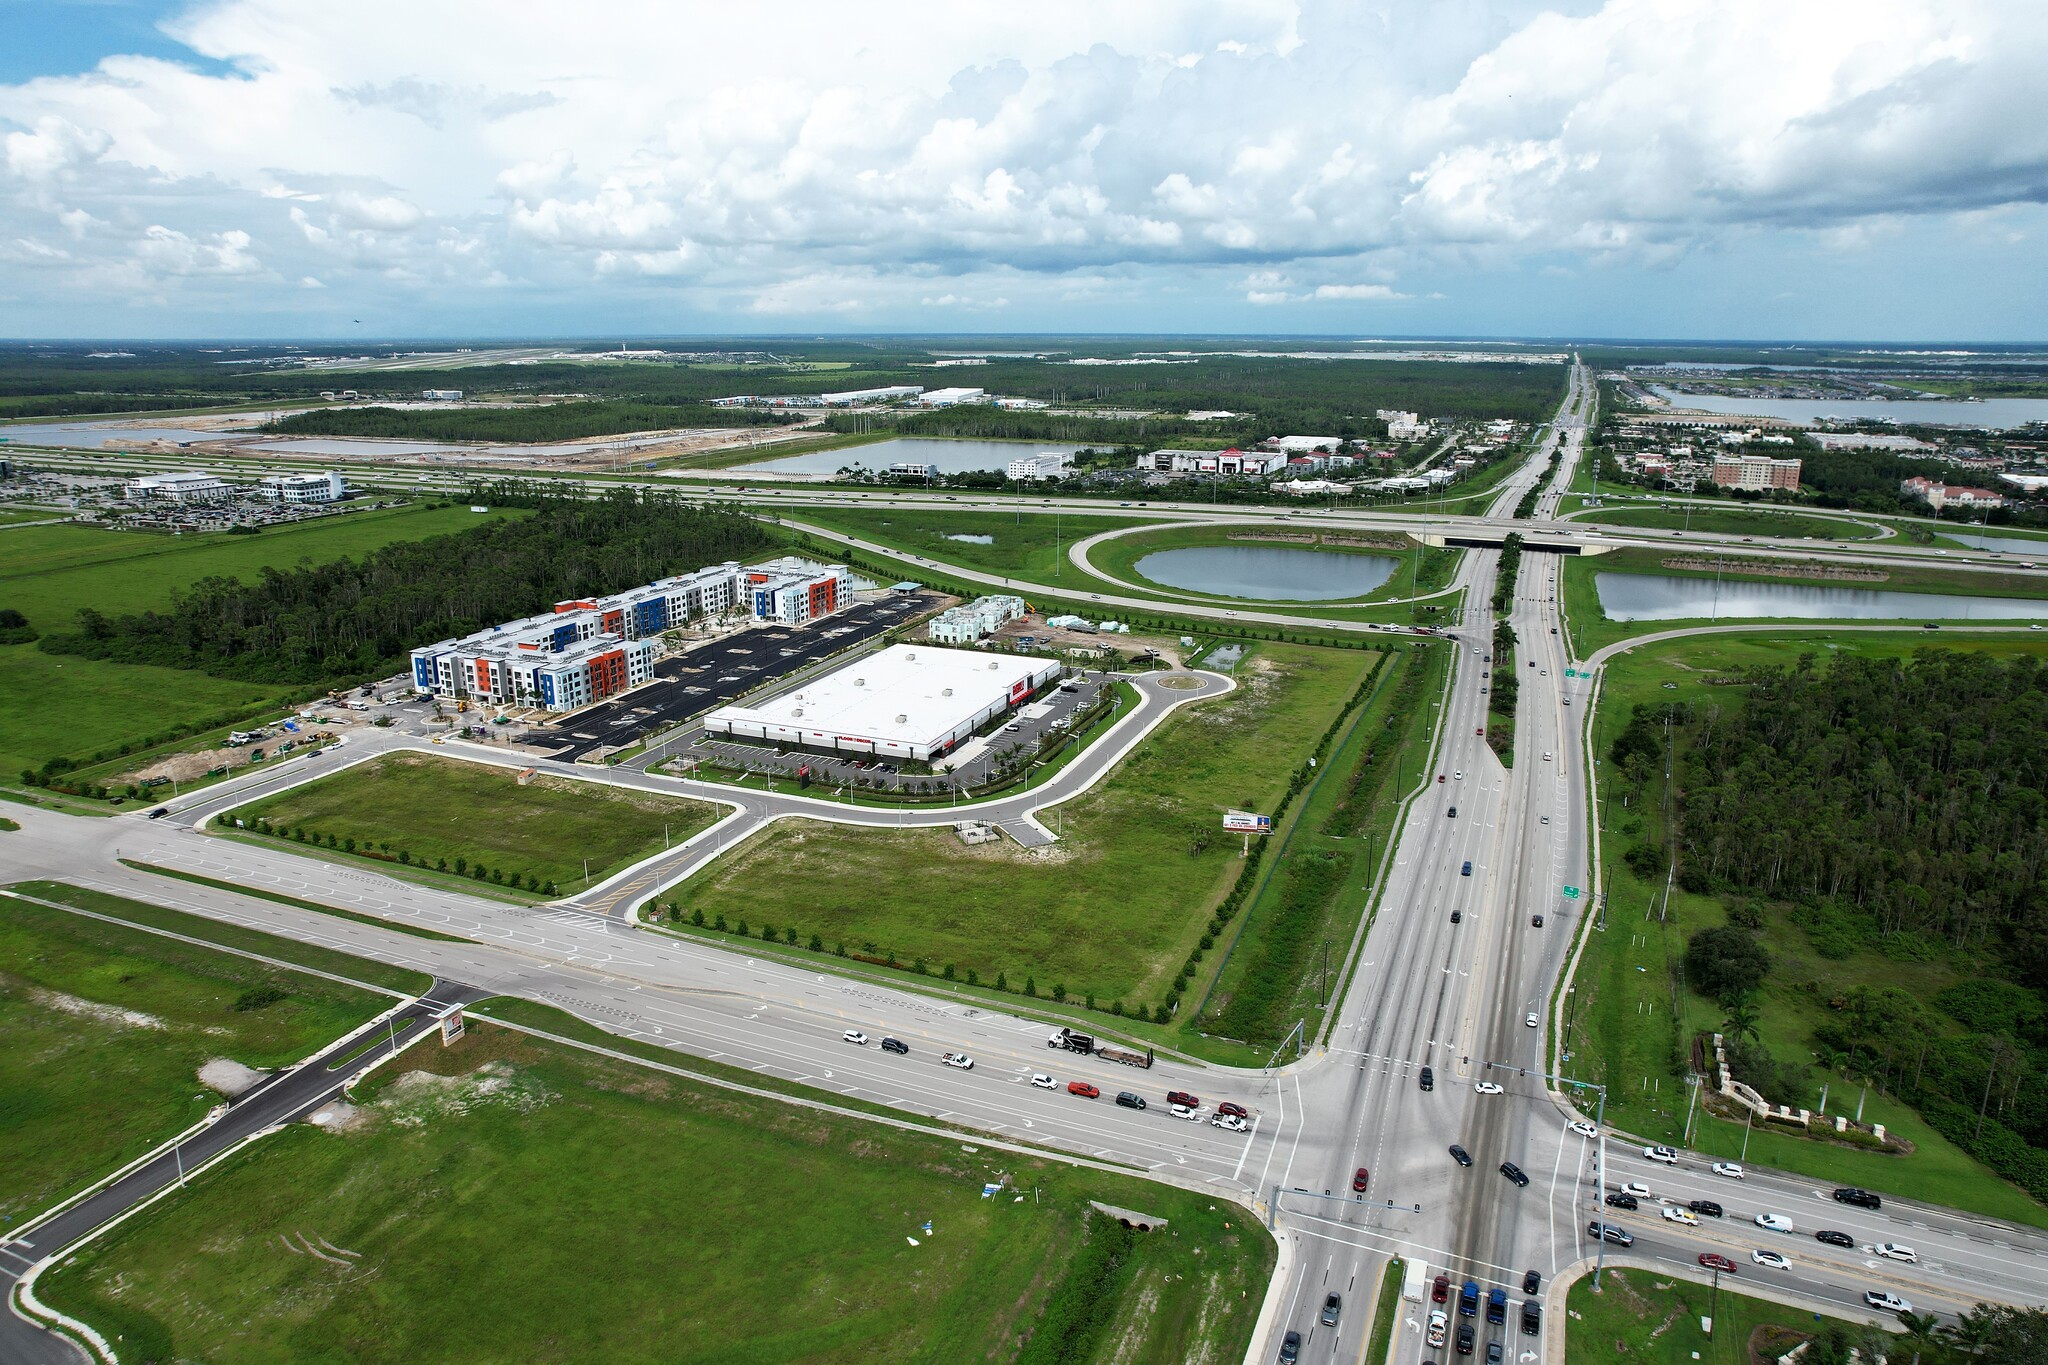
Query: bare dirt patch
[229, 1076]
[92, 1009]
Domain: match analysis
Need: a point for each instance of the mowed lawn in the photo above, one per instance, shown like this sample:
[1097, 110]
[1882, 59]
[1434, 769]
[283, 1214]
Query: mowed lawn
[1621, 1014]
[1655, 1320]
[444, 809]
[64, 706]
[511, 1199]
[103, 1028]
[1114, 908]
[1731, 521]
[1022, 543]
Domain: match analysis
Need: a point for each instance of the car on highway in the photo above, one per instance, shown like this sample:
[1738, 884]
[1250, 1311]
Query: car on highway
[1083, 1089]
[1232, 1109]
[1770, 1260]
[1438, 1321]
[1622, 1201]
[1546, 755]
[1515, 1173]
[1229, 1123]
[897, 1046]
[1468, 869]
[1663, 1154]
[1774, 1222]
[1895, 1251]
[1466, 1337]
[1182, 1111]
[1834, 1238]
[1714, 1260]
[1439, 777]
[1460, 1155]
[1886, 1301]
[1440, 1289]
[1290, 1348]
[1043, 1081]
[1427, 1080]
[1684, 1217]
[1529, 1019]
[1583, 1128]
[1489, 1088]
[1360, 1179]
[1535, 921]
[1183, 1097]
[1468, 1299]
[1532, 1280]
[1705, 1208]
[1636, 1188]
[1332, 1306]
[1494, 1352]
[959, 1060]
[1729, 1169]
[1862, 1199]
[854, 1035]
[159, 813]
[1130, 1101]
[1451, 814]
[1546, 819]
[1608, 1232]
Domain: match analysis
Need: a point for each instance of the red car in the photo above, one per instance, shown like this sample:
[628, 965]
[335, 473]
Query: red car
[1361, 1180]
[1232, 1109]
[1183, 1097]
[1440, 1292]
[1714, 1260]
[1439, 777]
[1481, 732]
[1083, 1089]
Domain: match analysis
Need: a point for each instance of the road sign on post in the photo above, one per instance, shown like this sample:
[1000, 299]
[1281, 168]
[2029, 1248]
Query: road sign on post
[1571, 893]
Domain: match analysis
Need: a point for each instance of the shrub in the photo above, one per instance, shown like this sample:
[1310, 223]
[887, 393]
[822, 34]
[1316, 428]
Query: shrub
[257, 998]
[697, 917]
[1725, 961]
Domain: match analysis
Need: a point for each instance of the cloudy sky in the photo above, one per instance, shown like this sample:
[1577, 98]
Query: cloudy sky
[1680, 168]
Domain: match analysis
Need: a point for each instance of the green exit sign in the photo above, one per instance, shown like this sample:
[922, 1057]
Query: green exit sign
[1571, 893]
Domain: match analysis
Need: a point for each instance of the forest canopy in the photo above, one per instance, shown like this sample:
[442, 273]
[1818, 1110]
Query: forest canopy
[359, 617]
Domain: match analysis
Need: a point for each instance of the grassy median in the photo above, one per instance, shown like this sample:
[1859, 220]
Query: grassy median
[442, 814]
[103, 1029]
[1655, 1320]
[597, 1210]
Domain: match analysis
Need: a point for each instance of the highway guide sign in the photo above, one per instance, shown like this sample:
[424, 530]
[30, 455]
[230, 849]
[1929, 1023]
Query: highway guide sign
[1571, 893]
[1244, 821]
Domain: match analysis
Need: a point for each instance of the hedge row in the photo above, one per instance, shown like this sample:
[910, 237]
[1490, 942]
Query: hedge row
[383, 852]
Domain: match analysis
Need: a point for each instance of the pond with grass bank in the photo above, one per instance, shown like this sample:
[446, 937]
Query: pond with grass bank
[1271, 573]
[2021, 545]
[1657, 597]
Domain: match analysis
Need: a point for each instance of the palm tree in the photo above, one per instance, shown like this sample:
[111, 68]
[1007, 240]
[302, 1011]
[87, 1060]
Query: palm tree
[1744, 1018]
[1924, 1331]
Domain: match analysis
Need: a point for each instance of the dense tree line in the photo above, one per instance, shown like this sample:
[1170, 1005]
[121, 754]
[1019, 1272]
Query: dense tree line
[358, 617]
[1893, 806]
[534, 422]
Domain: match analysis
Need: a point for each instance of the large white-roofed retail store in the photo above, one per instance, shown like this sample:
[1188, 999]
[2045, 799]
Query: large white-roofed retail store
[907, 701]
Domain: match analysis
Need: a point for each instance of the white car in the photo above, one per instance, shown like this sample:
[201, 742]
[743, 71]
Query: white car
[1584, 1129]
[1675, 1214]
[1892, 1251]
[1663, 1154]
[1728, 1168]
[959, 1059]
[854, 1035]
[1458, 776]
[1182, 1111]
[1890, 1303]
[1770, 1259]
[1043, 1081]
[1437, 1326]
[1774, 1222]
[1489, 1088]
[1529, 1019]
[1546, 755]
[1229, 1123]
[1636, 1188]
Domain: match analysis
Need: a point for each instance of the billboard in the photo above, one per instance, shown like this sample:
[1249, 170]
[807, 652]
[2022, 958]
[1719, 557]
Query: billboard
[1243, 821]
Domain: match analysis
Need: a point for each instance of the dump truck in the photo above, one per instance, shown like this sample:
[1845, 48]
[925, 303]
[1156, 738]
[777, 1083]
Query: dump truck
[1069, 1041]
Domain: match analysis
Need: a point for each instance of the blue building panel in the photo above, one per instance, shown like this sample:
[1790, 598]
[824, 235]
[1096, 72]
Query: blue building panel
[423, 674]
[651, 616]
[565, 635]
[547, 689]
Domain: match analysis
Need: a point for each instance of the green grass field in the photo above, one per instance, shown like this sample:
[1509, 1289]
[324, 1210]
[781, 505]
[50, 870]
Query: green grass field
[103, 1029]
[442, 809]
[1119, 558]
[1026, 544]
[1591, 630]
[1655, 1320]
[605, 1211]
[1622, 1012]
[1114, 908]
[1729, 521]
[58, 705]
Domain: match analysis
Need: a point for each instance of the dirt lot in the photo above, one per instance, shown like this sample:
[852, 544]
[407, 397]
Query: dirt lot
[197, 763]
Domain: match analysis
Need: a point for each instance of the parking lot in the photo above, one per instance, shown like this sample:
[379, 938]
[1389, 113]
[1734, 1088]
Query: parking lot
[713, 674]
[971, 765]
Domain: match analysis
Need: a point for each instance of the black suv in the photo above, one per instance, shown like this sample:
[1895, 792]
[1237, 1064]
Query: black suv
[1460, 1155]
[1862, 1199]
[1130, 1101]
[1532, 1281]
[1290, 1347]
[1514, 1173]
[1706, 1208]
[895, 1045]
[1622, 1201]
[1465, 1338]
[1428, 1079]
[1332, 1306]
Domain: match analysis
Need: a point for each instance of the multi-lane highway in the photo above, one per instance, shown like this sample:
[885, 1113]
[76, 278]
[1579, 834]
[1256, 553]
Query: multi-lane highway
[1454, 975]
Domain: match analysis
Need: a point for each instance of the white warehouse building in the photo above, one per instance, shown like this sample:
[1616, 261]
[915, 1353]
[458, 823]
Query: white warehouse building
[303, 487]
[906, 702]
[189, 486]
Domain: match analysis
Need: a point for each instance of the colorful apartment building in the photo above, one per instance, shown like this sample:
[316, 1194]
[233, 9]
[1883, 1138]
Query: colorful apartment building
[588, 649]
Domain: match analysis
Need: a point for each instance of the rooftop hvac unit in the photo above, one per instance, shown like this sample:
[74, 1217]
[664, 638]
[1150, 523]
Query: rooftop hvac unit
[795, 711]
[947, 692]
[902, 720]
[910, 656]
